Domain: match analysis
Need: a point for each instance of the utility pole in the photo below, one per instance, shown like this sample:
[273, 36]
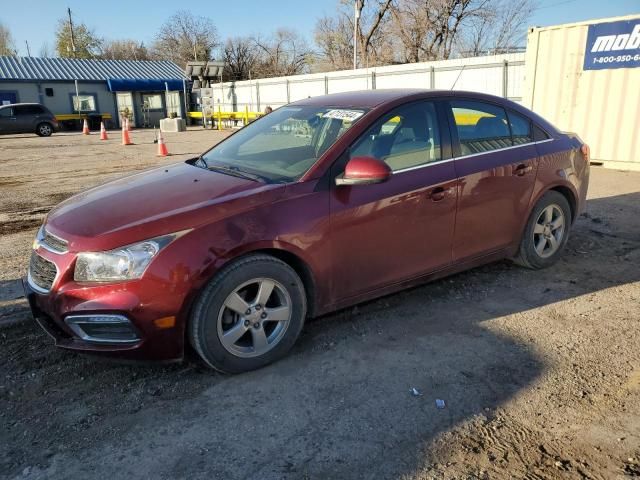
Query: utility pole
[73, 39]
[28, 51]
[357, 8]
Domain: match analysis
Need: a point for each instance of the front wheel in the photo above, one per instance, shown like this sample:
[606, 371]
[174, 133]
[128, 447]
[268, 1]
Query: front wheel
[546, 233]
[249, 315]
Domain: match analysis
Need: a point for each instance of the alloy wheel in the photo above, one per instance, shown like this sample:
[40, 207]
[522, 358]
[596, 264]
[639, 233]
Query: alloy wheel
[548, 231]
[254, 317]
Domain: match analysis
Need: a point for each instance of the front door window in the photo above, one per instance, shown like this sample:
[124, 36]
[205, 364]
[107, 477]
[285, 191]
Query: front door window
[406, 138]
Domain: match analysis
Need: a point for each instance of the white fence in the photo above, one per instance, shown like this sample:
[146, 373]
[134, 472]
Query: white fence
[501, 75]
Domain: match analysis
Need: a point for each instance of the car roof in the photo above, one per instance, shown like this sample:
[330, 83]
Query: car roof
[373, 98]
[21, 104]
[362, 98]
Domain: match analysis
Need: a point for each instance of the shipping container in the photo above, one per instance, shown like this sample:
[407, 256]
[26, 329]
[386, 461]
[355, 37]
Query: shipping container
[585, 77]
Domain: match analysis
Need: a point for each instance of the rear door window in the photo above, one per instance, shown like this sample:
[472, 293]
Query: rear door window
[482, 127]
[29, 110]
[520, 128]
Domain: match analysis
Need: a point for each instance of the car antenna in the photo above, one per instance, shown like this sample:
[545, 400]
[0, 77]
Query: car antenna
[458, 77]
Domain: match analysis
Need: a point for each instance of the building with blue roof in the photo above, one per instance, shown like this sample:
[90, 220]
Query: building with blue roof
[144, 91]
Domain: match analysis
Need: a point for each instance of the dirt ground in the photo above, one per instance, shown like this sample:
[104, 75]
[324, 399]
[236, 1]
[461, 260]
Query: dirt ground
[539, 370]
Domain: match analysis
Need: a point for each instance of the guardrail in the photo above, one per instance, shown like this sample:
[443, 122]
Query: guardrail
[220, 117]
[81, 116]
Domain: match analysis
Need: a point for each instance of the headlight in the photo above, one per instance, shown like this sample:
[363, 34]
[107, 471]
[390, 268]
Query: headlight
[126, 263]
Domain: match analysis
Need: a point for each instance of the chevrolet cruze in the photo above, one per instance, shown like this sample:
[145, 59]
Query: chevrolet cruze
[322, 204]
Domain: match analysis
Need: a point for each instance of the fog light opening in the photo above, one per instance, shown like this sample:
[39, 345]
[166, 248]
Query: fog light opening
[103, 328]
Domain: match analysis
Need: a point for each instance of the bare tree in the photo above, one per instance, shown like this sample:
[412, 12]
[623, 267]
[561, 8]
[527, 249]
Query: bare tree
[124, 50]
[411, 25]
[45, 51]
[185, 37]
[7, 47]
[284, 53]
[241, 57]
[429, 29]
[372, 17]
[437, 29]
[498, 28]
[334, 35]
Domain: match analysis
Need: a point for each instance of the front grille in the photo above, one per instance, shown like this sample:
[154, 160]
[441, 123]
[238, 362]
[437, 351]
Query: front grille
[53, 243]
[42, 272]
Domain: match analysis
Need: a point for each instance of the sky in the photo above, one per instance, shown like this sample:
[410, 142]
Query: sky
[140, 19]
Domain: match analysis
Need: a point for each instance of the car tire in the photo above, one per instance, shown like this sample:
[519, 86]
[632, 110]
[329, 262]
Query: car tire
[231, 341]
[546, 232]
[44, 129]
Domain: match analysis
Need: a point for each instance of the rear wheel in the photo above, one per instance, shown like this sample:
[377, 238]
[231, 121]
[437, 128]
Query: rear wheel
[249, 315]
[44, 129]
[546, 233]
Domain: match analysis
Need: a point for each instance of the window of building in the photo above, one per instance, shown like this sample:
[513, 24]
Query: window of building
[152, 101]
[520, 128]
[84, 103]
[481, 127]
[407, 137]
[48, 91]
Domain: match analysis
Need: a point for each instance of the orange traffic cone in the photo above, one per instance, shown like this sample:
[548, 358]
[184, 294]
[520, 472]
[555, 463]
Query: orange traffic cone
[128, 125]
[85, 128]
[103, 132]
[162, 147]
[125, 135]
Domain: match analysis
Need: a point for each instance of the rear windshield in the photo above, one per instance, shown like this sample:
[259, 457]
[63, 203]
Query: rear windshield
[284, 144]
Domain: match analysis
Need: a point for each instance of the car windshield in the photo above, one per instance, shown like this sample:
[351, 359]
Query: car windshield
[283, 145]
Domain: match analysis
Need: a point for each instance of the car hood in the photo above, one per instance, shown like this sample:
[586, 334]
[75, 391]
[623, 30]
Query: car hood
[151, 203]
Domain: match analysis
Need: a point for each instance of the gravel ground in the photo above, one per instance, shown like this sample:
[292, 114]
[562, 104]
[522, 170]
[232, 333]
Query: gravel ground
[539, 370]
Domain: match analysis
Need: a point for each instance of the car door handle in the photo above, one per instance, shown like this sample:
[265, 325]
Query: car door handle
[438, 193]
[522, 169]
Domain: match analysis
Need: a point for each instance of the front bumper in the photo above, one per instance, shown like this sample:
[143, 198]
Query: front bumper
[53, 310]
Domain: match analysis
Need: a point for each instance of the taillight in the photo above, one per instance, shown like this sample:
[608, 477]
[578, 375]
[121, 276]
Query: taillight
[586, 152]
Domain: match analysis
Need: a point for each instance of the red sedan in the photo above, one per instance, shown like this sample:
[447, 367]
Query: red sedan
[322, 204]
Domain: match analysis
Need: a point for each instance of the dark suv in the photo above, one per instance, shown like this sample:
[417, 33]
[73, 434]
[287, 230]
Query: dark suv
[27, 118]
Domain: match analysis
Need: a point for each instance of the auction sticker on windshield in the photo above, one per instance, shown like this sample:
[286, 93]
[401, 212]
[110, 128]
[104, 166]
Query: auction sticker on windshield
[346, 115]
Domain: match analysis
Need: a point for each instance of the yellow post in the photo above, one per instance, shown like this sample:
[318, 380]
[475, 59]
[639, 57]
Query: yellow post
[246, 115]
[219, 118]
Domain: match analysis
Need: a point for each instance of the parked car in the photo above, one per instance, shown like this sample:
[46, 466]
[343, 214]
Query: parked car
[27, 118]
[322, 204]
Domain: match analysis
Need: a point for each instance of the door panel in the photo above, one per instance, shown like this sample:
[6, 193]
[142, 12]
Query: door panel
[495, 189]
[7, 120]
[385, 233]
[124, 101]
[496, 176]
[393, 231]
[25, 119]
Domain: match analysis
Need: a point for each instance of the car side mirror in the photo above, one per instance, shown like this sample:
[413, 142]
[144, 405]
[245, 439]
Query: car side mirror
[364, 171]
